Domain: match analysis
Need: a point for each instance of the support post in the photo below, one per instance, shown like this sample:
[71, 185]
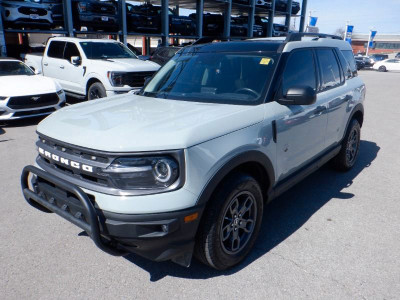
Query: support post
[122, 24]
[288, 13]
[68, 22]
[199, 17]
[3, 49]
[271, 15]
[164, 22]
[303, 15]
[227, 19]
[250, 19]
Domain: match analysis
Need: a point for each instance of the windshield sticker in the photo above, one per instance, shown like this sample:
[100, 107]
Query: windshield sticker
[265, 61]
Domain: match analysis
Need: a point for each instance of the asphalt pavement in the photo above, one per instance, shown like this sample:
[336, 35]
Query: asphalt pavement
[333, 236]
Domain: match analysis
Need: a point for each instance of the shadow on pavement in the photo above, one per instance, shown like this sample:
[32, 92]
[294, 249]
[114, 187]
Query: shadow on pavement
[282, 217]
[22, 122]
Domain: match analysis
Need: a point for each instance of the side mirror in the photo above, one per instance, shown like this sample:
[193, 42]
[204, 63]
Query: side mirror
[75, 60]
[302, 95]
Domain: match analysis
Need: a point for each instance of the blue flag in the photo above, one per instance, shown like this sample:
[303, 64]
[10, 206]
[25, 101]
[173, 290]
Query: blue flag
[349, 33]
[313, 21]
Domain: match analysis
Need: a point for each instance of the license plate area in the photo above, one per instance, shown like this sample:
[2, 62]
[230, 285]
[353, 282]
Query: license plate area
[34, 16]
[105, 19]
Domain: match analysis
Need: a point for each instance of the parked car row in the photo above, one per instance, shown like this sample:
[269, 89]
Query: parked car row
[103, 15]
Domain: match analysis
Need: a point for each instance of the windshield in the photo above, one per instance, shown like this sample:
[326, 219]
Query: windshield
[230, 78]
[10, 68]
[99, 50]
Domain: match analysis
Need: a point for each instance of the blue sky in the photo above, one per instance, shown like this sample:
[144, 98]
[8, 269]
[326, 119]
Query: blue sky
[383, 15]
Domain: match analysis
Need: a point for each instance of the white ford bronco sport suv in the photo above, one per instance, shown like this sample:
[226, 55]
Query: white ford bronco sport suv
[186, 166]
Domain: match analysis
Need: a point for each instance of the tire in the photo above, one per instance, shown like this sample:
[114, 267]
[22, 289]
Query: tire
[382, 69]
[96, 91]
[223, 220]
[348, 154]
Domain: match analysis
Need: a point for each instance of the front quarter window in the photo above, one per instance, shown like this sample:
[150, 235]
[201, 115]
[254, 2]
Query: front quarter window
[229, 78]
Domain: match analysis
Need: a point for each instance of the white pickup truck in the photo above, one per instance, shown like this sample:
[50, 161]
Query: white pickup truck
[91, 68]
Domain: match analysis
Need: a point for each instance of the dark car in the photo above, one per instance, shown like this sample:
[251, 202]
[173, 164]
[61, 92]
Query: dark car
[397, 55]
[56, 8]
[94, 15]
[360, 64]
[277, 29]
[163, 54]
[281, 5]
[146, 18]
[366, 60]
[213, 24]
[258, 30]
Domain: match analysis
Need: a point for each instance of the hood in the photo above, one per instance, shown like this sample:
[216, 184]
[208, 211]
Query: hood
[126, 64]
[23, 85]
[134, 123]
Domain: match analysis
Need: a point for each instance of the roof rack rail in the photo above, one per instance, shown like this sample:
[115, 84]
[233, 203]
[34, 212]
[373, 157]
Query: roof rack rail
[296, 36]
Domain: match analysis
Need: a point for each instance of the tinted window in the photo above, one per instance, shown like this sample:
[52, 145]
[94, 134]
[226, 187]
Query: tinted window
[56, 49]
[10, 68]
[348, 54]
[71, 50]
[329, 68]
[231, 78]
[345, 65]
[299, 71]
[106, 50]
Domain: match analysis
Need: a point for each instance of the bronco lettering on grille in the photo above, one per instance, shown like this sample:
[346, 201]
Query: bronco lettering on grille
[65, 161]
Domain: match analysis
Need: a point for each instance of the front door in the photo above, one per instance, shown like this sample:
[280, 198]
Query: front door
[73, 78]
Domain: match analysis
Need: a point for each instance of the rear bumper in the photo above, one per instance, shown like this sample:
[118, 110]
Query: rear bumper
[158, 237]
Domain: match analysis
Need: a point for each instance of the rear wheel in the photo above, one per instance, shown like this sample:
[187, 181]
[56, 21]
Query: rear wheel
[96, 91]
[348, 154]
[382, 69]
[231, 223]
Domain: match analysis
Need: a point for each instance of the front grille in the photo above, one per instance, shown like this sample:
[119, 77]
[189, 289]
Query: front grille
[33, 101]
[136, 79]
[103, 9]
[32, 11]
[72, 153]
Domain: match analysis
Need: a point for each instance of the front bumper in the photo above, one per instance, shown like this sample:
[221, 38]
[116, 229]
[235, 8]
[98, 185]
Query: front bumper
[158, 237]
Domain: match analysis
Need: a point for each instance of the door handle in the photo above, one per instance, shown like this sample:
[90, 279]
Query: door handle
[45, 64]
[61, 67]
[320, 109]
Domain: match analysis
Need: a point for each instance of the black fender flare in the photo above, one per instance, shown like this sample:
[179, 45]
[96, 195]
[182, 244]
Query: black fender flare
[244, 157]
[358, 108]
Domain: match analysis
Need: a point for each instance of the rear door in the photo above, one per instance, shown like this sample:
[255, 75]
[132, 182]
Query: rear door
[336, 91]
[53, 61]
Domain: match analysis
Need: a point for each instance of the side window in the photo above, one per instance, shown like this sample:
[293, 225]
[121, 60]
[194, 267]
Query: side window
[56, 49]
[299, 71]
[345, 65]
[348, 55]
[329, 68]
[71, 50]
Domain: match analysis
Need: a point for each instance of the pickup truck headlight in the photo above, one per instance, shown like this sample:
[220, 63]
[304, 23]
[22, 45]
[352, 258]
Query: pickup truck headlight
[116, 78]
[143, 173]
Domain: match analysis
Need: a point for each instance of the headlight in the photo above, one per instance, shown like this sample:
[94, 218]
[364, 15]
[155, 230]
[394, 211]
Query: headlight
[116, 78]
[143, 173]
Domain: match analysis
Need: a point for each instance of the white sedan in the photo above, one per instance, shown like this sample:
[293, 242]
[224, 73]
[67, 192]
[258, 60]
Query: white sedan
[387, 65]
[25, 94]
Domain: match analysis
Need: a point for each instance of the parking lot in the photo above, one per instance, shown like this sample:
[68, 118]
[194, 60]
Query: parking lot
[333, 236]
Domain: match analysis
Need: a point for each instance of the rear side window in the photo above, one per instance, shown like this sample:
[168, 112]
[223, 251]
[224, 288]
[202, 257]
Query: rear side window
[299, 71]
[56, 49]
[345, 65]
[330, 71]
[71, 50]
[348, 55]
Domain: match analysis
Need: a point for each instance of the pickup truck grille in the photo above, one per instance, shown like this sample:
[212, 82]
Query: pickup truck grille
[136, 79]
[103, 9]
[33, 101]
[32, 11]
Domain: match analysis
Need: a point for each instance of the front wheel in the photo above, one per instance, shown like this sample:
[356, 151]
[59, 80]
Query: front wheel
[96, 91]
[382, 69]
[231, 223]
